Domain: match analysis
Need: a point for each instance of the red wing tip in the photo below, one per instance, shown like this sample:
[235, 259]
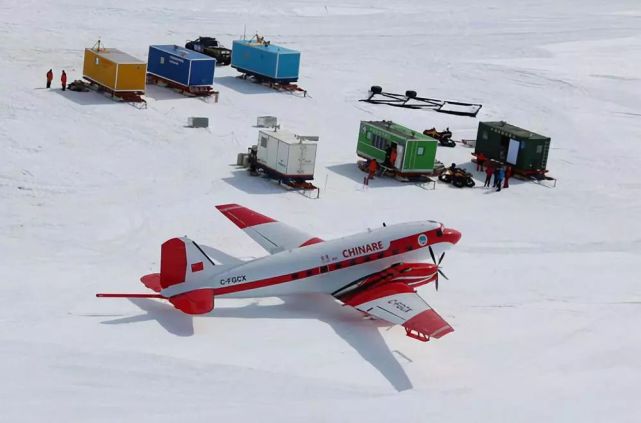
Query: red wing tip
[225, 207]
[428, 324]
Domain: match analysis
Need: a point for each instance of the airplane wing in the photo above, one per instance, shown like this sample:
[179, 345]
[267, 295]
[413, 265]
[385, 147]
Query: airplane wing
[270, 234]
[398, 303]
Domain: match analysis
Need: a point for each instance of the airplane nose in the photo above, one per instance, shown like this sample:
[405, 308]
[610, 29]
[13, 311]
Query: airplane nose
[451, 235]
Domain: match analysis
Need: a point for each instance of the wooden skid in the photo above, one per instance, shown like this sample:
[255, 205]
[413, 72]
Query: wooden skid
[278, 86]
[126, 96]
[200, 91]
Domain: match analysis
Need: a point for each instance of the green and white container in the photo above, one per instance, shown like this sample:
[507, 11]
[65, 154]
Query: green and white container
[416, 152]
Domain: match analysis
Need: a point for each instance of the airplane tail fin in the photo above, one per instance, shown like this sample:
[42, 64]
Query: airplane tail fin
[182, 260]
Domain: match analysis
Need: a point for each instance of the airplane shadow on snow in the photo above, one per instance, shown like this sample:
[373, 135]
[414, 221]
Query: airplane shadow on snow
[361, 334]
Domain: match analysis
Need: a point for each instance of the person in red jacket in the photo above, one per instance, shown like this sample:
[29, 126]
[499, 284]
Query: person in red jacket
[63, 80]
[508, 173]
[392, 157]
[489, 171]
[49, 78]
[372, 166]
[480, 159]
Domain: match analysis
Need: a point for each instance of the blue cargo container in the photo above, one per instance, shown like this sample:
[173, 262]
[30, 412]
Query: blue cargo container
[181, 66]
[267, 61]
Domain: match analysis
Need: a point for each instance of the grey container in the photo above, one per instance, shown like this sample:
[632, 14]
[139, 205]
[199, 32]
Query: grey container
[198, 122]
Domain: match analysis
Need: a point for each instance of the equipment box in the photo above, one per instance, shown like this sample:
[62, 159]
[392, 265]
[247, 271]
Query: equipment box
[185, 67]
[287, 154]
[264, 60]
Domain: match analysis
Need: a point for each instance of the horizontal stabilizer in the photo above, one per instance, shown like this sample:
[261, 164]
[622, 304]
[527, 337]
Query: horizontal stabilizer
[152, 281]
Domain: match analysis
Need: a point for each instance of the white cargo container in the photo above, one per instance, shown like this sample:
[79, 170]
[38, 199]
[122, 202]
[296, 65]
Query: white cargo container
[287, 154]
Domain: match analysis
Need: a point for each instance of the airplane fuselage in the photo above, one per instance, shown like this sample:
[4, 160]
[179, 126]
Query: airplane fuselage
[324, 267]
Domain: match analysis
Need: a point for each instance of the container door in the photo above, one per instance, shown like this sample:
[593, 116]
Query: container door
[513, 151]
[399, 157]
[398, 163]
[263, 150]
[301, 161]
[272, 152]
[283, 158]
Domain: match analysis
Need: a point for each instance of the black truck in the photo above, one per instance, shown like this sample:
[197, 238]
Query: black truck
[211, 47]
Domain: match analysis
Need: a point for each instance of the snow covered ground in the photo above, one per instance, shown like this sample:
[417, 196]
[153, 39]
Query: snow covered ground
[544, 292]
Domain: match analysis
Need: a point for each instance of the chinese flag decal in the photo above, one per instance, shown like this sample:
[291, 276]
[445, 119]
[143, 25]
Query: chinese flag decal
[197, 267]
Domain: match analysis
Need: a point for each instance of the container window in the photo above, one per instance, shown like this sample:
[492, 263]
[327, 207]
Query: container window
[420, 151]
[162, 60]
[539, 149]
[263, 142]
[97, 60]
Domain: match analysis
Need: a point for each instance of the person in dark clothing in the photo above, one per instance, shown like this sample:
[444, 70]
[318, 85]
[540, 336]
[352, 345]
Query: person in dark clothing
[500, 174]
[49, 78]
[489, 171]
[63, 80]
[388, 156]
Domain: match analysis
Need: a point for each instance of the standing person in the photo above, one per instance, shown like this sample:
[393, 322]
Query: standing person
[480, 159]
[49, 78]
[508, 173]
[388, 156]
[489, 171]
[63, 80]
[392, 157]
[372, 168]
[500, 174]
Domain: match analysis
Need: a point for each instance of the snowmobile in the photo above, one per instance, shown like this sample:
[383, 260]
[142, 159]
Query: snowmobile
[444, 137]
[458, 177]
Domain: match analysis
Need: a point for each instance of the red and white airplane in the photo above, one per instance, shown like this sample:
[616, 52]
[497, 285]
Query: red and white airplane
[376, 272]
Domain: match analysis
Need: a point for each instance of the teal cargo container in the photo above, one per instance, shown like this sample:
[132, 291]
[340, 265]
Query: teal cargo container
[526, 151]
[416, 152]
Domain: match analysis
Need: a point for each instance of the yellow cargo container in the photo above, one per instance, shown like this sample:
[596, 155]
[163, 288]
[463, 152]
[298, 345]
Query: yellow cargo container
[115, 70]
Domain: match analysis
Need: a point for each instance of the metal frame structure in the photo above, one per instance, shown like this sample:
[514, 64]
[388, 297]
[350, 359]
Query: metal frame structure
[410, 100]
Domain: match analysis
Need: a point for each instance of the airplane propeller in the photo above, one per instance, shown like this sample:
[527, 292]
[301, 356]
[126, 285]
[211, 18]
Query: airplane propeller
[438, 265]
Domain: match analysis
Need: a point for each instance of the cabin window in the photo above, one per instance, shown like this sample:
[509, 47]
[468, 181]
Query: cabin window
[323, 269]
[309, 272]
[339, 265]
[395, 252]
[294, 275]
[410, 248]
[420, 151]
[381, 255]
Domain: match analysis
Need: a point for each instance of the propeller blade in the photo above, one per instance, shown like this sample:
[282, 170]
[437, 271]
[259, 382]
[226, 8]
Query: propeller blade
[441, 258]
[429, 247]
[443, 274]
[436, 283]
